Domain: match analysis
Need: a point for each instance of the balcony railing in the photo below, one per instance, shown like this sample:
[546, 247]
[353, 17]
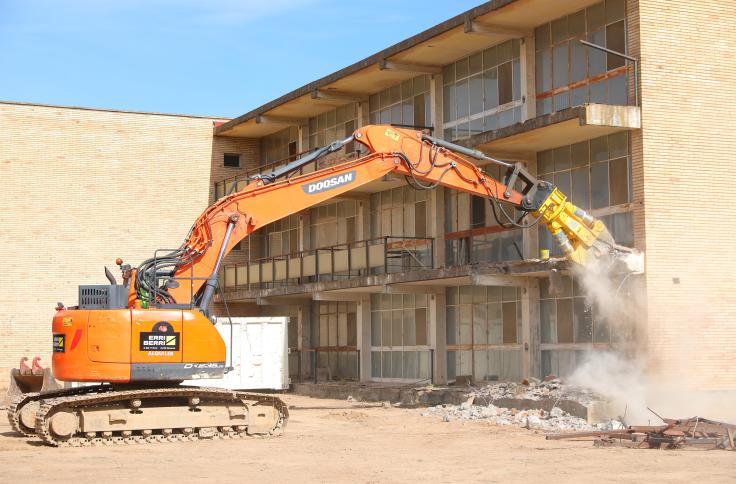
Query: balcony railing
[366, 257]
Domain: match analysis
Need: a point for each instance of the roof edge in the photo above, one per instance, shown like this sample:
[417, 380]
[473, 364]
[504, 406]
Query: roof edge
[123, 111]
[405, 44]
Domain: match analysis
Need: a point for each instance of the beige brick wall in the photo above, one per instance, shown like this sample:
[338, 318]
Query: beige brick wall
[80, 188]
[688, 143]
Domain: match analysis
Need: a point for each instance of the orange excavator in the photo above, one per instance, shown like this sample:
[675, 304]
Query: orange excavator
[144, 337]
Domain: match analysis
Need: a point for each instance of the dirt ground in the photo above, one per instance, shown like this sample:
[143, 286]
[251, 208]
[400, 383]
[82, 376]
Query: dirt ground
[331, 441]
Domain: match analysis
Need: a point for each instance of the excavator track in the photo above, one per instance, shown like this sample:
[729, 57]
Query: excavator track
[157, 415]
[18, 405]
[13, 413]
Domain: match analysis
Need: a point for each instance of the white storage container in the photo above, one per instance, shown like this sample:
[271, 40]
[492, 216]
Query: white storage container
[259, 354]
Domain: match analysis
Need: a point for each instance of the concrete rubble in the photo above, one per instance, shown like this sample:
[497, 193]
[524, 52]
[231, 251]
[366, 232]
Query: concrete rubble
[480, 406]
[533, 389]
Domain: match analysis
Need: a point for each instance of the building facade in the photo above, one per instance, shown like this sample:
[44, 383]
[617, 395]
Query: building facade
[392, 284]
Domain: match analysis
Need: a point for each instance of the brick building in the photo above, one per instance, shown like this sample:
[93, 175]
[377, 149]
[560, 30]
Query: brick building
[442, 290]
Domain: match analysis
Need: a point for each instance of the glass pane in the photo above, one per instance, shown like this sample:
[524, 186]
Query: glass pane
[461, 68]
[578, 61]
[583, 321]
[616, 40]
[596, 58]
[451, 328]
[618, 172]
[480, 325]
[580, 188]
[406, 89]
[563, 181]
[598, 92]
[466, 324]
[476, 94]
[560, 66]
[564, 321]
[596, 16]
[490, 58]
[509, 322]
[448, 74]
[516, 88]
[617, 91]
[448, 104]
[615, 10]
[562, 158]
[542, 36]
[545, 162]
[599, 185]
[599, 149]
[375, 328]
[576, 24]
[407, 112]
[559, 30]
[505, 87]
[461, 99]
[505, 52]
[618, 145]
[385, 328]
[544, 71]
[475, 63]
[548, 320]
[490, 88]
[419, 113]
[579, 96]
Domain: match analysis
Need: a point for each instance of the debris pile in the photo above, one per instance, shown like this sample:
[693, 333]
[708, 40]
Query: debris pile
[694, 432]
[533, 389]
[554, 420]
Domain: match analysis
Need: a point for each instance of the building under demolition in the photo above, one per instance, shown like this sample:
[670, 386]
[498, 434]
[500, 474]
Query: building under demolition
[395, 284]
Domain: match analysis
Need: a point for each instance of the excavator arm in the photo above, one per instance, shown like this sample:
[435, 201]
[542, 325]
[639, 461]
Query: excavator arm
[190, 272]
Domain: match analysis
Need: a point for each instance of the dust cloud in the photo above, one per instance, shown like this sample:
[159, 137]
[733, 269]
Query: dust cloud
[623, 375]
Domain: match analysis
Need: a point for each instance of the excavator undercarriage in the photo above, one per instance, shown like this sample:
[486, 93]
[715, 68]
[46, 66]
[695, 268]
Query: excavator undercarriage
[106, 415]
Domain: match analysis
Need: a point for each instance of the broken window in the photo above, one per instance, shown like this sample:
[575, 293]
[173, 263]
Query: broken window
[483, 325]
[482, 92]
[569, 73]
[398, 350]
[334, 335]
[570, 323]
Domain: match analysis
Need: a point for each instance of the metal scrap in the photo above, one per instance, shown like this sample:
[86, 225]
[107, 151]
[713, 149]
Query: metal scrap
[696, 432]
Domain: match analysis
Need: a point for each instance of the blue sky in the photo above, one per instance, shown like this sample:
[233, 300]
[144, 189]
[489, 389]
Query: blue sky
[210, 57]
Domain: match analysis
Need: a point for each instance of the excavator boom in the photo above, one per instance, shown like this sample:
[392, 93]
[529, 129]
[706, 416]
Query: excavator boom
[427, 162]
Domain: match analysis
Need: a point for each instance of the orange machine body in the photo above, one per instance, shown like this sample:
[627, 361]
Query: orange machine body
[131, 345]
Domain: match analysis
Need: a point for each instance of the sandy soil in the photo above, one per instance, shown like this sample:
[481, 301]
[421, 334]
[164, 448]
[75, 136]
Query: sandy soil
[330, 440]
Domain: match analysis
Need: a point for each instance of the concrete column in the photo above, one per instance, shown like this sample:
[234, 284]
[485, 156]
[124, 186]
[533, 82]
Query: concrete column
[436, 224]
[531, 330]
[435, 97]
[438, 336]
[528, 78]
[363, 330]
